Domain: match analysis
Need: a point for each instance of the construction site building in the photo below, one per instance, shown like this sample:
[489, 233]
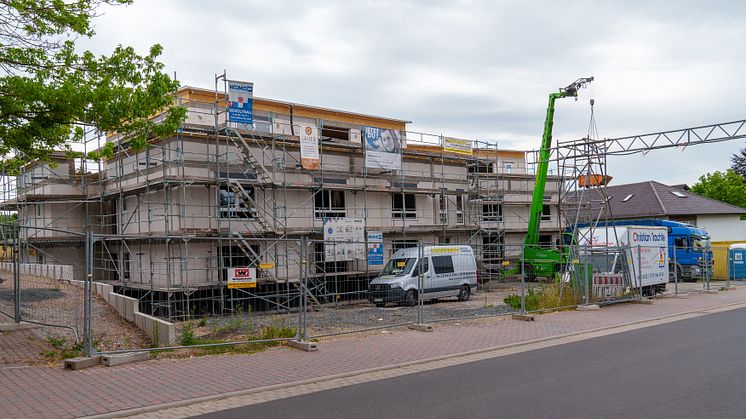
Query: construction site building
[168, 221]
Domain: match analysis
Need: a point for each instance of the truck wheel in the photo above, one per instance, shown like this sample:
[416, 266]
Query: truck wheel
[410, 298]
[674, 270]
[465, 293]
[528, 272]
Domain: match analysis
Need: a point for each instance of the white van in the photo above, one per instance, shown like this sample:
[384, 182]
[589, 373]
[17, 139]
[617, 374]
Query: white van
[448, 271]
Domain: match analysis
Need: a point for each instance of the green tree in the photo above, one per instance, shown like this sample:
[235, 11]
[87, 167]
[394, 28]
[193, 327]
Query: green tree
[51, 94]
[726, 187]
[738, 161]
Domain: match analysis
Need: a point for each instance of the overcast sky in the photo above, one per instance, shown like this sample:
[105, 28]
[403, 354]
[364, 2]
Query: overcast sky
[471, 69]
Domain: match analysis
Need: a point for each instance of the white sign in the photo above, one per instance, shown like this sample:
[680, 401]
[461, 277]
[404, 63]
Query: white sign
[382, 148]
[651, 260]
[375, 248]
[345, 239]
[241, 277]
[240, 102]
[309, 146]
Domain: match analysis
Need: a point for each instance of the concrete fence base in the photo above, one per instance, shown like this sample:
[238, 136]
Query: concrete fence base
[161, 332]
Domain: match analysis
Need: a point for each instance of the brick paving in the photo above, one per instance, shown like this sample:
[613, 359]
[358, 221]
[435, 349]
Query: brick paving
[22, 347]
[53, 392]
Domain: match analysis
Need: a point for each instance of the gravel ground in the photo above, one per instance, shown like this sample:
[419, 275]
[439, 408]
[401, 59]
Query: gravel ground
[58, 302]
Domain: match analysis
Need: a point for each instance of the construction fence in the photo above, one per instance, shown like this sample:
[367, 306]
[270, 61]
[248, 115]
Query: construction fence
[321, 288]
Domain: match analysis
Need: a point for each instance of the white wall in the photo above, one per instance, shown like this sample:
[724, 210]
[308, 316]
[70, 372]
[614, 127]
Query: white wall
[723, 227]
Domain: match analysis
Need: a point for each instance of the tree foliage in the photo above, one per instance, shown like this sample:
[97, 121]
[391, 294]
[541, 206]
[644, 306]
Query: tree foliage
[51, 94]
[726, 187]
[738, 161]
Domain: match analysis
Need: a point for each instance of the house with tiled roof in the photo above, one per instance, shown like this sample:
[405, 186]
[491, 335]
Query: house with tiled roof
[653, 199]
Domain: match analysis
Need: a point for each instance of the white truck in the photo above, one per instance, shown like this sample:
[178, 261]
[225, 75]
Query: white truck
[645, 248]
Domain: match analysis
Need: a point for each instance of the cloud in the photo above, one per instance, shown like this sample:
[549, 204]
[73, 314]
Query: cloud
[478, 69]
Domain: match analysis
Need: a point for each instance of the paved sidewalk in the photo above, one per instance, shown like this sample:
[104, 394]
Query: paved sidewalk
[53, 392]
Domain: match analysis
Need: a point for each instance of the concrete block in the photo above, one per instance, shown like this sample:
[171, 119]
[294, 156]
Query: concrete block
[12, 327]
[82, 362]
[646, 301]
[588, 307]
[303, 345]
[421, 327]
[120, 359]
[712, 292]
[524, 317]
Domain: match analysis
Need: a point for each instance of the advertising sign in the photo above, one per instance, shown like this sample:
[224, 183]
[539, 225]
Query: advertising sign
[382, 148]
[454, 145]
[651, 260]
[240, 102]
[345, 239]
[375, 248]
[241, 277]
[309, 146]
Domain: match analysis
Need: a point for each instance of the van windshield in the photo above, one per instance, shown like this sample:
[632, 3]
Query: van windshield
[398, 267]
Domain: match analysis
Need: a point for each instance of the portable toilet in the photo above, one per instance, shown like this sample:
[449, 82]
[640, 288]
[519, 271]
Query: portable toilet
[737, 253]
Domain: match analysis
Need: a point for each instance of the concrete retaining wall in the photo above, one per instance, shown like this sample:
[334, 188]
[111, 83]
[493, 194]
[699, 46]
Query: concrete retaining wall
[62, 272]
[161, 332]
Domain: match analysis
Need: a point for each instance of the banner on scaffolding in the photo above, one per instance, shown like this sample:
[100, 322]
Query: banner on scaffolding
[382, 148]
[309, 146]
[344, 239]
[375, 248]
[455, 145]
[241, 277]
[240, 102]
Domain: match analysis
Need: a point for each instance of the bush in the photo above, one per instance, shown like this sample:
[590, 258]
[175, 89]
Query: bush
[187, 335]
[532, 301]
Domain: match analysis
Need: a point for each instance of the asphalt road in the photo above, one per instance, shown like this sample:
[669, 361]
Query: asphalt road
[691, 368]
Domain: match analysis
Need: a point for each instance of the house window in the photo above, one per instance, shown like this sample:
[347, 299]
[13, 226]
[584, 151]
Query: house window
[546, 212]
[403, 206]
[508, 167]
[236, 201]
[335, 132]
[126, 267]
[459, 209]
[545, 240]
[329, 204]
[443, 205]
[481, 167]
[492, 212]
[492, 247]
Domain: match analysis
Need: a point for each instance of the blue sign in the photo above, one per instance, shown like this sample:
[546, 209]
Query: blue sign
[240, 102]
[375, 248]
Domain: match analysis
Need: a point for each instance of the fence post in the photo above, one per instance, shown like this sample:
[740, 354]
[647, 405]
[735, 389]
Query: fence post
[585, 275]
[639, 269]
[523, 279]
[88, 296]
[420, 283]
[17, 274]
[675, 272]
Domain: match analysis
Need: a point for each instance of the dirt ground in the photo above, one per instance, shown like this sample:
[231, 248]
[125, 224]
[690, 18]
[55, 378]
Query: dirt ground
[60, 303]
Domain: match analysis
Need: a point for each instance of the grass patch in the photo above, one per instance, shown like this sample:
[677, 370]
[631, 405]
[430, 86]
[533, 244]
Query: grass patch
[265, 333]
[61, 349]
[544, 297]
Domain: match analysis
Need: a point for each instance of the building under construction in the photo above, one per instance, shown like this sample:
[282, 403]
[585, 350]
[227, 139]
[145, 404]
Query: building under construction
[166, 223]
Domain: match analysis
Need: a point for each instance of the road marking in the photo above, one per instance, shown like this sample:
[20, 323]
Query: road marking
[249, 397]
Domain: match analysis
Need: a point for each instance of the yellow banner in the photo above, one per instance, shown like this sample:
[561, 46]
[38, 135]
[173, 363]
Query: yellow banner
[269, 265]
[242, 284]
[454, 145]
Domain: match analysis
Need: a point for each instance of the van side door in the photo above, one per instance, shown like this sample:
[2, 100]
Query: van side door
[427, 275]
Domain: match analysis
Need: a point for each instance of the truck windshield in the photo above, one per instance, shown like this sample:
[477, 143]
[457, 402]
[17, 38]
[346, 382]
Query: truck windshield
[700, 242]
[398, 267]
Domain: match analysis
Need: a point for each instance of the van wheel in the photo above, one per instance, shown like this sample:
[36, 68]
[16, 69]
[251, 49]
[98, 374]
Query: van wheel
[410, 298]
[465, 293]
